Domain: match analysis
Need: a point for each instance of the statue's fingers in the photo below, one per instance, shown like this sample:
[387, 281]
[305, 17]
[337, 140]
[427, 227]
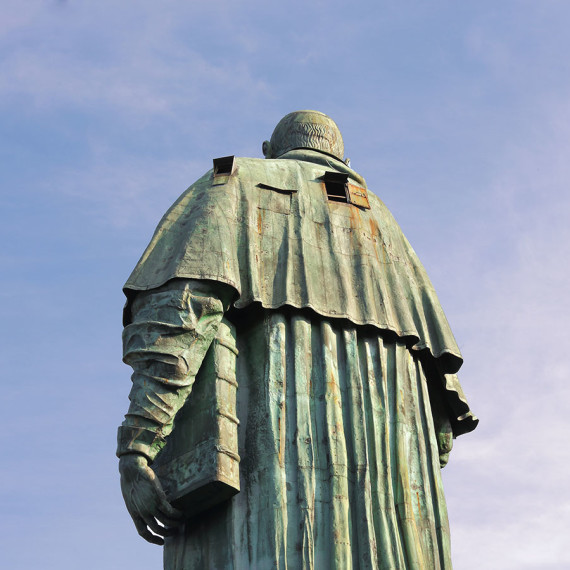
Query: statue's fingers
[146, 534]
[164, 519]
[170, 531]
[146, 516]
[158, 529]
[168, 510]
[165, 507]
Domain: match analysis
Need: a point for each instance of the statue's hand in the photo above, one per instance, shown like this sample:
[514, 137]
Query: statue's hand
[444, 444]
[146, 501]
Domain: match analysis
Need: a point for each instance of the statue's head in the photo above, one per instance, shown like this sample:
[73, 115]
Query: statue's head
[305, 129]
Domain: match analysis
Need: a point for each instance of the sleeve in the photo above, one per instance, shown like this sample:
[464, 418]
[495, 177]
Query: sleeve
[442, 427]
[171, 330]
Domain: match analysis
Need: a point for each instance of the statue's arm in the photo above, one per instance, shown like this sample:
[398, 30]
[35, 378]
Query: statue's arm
[171, 330]
[442, 425]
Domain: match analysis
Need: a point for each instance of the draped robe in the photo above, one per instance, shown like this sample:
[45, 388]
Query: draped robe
[346, 371]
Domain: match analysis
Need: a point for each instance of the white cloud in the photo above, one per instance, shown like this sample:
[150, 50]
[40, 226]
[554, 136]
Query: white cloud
[211, 67]
[132, 192]
[136, 62]
[537, 540]
[517, 368]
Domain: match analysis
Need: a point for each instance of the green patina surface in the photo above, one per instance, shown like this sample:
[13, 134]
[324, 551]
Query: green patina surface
[270, 233]
[320, 445]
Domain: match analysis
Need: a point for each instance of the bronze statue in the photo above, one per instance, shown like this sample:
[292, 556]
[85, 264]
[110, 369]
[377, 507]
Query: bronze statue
[294, 391]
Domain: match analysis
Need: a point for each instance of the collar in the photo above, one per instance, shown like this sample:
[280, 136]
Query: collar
[322, 159]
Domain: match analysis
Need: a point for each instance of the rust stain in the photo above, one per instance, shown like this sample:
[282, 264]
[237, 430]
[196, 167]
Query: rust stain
[358, 196]
[333, 389]
[355, 221]
[332, 382]
[259, 220]
[375, 231]
[373, 227]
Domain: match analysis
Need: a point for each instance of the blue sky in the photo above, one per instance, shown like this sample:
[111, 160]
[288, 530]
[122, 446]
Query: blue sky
[456, 113]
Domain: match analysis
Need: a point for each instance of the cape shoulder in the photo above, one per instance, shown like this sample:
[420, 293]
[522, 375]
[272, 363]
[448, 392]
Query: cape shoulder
[272, 232]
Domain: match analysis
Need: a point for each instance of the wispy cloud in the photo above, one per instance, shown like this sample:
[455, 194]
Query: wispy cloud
[147, 66]
[457, 114]
[517, 369]
[130, 192]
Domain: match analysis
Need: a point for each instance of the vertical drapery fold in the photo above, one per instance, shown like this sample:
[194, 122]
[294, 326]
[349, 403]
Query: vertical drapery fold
[340, 465]
[271, 236]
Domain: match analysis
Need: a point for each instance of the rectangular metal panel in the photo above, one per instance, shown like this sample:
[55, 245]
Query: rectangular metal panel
[358, 196]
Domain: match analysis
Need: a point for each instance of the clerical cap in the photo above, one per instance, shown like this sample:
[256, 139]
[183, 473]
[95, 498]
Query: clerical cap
[305, 129]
